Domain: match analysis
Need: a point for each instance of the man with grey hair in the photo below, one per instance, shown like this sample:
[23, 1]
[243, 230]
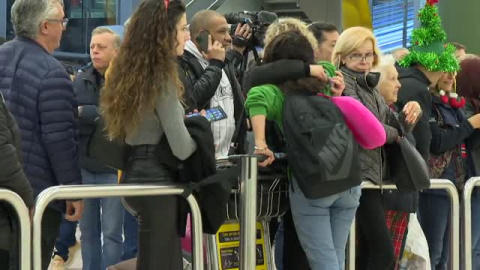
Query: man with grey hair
[39, 93]
[101, 215]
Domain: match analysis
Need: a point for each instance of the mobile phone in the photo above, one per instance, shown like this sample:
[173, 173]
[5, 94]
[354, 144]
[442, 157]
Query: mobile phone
[213, 114]
[202, 40]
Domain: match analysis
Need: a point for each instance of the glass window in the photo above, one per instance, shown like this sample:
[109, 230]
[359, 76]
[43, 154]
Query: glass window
[393, 22]
[84, 16]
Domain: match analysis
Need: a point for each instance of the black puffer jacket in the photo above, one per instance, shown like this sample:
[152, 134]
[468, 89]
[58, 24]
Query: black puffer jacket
[373, 162]
[12, 176]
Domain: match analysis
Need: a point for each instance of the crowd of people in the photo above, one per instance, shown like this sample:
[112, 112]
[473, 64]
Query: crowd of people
[152, 91]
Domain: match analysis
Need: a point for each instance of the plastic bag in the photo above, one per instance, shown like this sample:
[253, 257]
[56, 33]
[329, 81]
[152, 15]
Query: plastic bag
[415, 255]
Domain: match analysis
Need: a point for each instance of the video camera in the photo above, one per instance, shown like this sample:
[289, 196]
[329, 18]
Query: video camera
[258, 22]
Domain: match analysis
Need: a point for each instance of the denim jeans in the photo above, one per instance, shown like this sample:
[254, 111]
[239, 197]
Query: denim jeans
[101, 216]
[66, 238]
[323, 225]
[434, 217]
[279, 237]
[130, 232]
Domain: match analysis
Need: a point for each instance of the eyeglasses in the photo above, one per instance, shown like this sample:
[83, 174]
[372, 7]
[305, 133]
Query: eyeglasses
[360, 57]
[63, 21]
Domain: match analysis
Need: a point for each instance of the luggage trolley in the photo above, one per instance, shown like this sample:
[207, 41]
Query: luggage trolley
[223, 248]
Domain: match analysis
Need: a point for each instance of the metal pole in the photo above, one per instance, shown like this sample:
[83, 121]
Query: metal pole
[102, 191]
[248, 201]
[454, 219]
[351, 246]
[24, 219]
[455, 223]
[268, 256]
[212, 251]
[467, 225]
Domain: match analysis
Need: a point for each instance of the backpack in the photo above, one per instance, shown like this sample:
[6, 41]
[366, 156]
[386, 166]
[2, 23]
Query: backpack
[322, 152]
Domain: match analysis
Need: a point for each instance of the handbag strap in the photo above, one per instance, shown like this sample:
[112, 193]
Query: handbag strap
[236, 135]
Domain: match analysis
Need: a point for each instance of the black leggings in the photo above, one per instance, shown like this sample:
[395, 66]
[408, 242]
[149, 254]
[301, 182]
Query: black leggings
[375, 250]
[159, 242]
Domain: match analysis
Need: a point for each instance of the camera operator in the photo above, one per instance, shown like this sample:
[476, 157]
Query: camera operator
[208, 75]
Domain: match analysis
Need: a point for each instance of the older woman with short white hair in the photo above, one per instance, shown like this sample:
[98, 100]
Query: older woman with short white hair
[388, 85]
[398, 205]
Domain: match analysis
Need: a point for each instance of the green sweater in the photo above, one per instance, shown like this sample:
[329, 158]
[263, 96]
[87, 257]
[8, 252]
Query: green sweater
[266, 100]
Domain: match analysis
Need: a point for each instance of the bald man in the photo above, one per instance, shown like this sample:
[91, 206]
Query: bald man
[209, 77]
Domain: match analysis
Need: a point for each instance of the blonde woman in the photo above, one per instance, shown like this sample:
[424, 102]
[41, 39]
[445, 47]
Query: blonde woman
[356, 54]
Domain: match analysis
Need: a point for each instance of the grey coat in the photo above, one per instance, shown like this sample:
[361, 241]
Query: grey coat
[373, 162]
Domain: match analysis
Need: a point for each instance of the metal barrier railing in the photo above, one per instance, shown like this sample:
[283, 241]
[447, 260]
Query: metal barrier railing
[248, 213]
[454, 221]
[101, 191]
[24, 219]
[467, 224]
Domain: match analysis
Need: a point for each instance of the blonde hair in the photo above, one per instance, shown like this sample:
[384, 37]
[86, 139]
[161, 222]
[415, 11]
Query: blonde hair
[286, 24]
[117, 41]
[350, 40]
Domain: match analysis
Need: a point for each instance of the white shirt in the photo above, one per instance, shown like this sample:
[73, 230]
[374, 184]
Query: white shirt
[222, 130]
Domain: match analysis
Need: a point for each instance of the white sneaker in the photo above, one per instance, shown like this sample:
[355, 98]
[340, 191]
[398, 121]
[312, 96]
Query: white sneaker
[72, 252]
[57, 263]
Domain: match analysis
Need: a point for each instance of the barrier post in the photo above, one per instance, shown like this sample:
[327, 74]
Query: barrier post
[248, 211]
[351, 246]
[467, 215]
[102, 191]
[454, 220]
[24, 222]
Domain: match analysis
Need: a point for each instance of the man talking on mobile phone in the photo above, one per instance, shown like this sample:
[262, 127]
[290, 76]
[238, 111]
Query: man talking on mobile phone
[208, 75]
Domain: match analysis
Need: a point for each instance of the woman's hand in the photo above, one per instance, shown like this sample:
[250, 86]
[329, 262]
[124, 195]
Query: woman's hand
[263, 150]
[202, 113]
[318, 72]
[412, 111]
[338, 84]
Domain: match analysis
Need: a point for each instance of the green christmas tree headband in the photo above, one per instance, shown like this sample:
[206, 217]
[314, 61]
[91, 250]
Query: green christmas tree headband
[428, 43]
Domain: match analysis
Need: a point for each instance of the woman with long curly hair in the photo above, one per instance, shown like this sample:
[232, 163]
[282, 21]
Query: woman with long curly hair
[141, 104]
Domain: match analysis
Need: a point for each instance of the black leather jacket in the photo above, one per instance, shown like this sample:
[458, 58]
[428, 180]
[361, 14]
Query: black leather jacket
[201, 84]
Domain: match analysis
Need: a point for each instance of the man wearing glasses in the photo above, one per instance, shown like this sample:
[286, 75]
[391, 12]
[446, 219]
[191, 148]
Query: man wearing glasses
[39, 93]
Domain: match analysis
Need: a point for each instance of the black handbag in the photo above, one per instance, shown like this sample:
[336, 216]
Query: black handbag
[112, 153]
[407, 168]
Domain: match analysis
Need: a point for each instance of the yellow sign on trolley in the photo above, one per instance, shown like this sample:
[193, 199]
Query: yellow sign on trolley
[228, 243]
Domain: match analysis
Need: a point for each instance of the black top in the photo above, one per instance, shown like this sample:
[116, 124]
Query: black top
[415, 87]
